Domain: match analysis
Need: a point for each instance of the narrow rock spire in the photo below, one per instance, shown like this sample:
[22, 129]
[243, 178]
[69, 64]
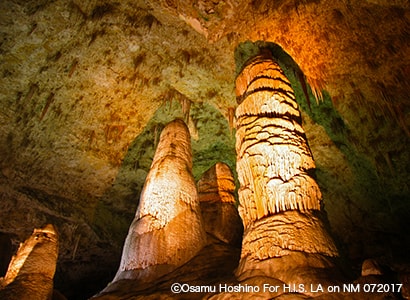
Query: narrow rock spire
[167, 230]
[216, 190]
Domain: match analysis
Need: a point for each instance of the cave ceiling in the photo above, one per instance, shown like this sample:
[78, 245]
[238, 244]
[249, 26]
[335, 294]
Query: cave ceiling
[87, 87]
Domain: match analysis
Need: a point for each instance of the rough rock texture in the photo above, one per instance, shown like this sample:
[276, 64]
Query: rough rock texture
[371, 267]
[279, 199]
[31, 271]
[158, 241]
[274, 162]
[86, 86]
[216, 190]
[214, 262]
[289, 249]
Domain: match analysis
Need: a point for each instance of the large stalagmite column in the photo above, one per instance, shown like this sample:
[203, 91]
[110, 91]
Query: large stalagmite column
[280, 201]
[167, 230]
[31, 271]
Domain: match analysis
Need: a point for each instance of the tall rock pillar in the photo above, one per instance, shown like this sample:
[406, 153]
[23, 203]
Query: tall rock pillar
[167, 230]
[280, 202]
[216, 196]
[31, 271]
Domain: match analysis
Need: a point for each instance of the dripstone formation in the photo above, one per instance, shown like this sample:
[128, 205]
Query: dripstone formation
[167, 230]
[216, 195]
[87, 87]
[31, 271]
[188, 234]
[280, 202]
[179, 234]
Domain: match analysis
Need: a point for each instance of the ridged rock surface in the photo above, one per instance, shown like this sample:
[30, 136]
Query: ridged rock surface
[167, 230]
[216, 196]
[214, 263]
[274, 161]
[87, 86]
[279, 198]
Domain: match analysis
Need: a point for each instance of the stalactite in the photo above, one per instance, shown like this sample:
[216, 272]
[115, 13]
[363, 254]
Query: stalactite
[33, 90]
[73, 67]
[302, 80]
[155, 136]
[186, 107]
[49, 100]
[158, 240]
[316, 85]
[231, 118]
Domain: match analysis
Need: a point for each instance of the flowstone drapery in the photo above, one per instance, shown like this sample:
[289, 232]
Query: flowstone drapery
[280, 201]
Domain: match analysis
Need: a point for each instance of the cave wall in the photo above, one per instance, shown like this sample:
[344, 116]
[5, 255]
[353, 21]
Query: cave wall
[87, 87]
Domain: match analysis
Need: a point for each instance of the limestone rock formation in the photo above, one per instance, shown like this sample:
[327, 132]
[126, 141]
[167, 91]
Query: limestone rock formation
[216, 196]
[168, 226]
[86, 87]
[31, 271]
[280, 202]
[167, 230]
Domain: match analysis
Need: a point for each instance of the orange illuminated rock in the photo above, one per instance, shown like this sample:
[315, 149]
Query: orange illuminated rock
[280, 201]
[216, 195]
[274, 161]
[31, 271]
[167, 230]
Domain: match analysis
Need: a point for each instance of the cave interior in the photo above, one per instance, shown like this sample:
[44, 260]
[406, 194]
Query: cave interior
[88, 86]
